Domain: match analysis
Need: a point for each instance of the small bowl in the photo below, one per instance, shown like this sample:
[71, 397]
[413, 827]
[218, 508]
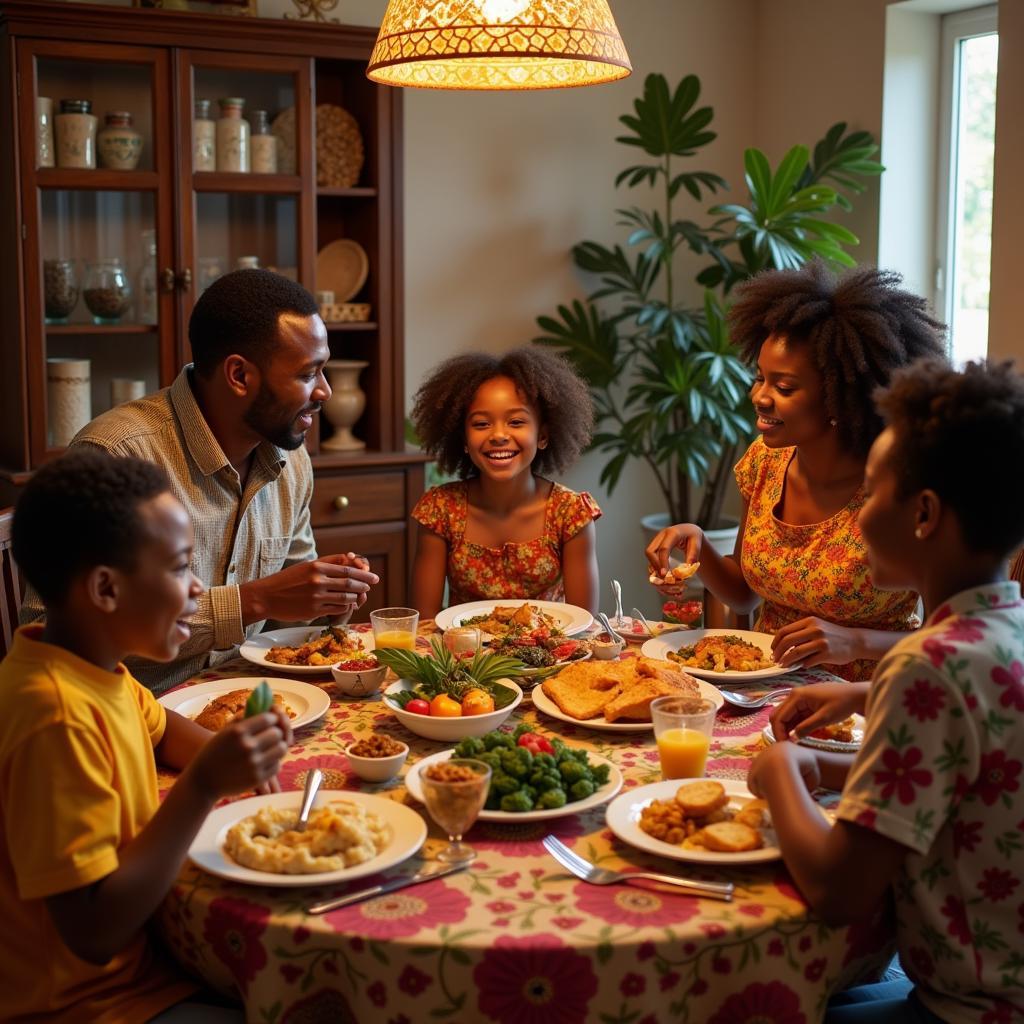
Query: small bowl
[606, 650]
[363, 683]
[449, 730]
[377, 769]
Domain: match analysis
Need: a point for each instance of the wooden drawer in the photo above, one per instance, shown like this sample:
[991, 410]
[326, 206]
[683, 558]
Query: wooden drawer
[357, 498]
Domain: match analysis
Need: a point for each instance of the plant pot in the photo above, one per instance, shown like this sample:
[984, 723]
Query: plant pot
[722, 539]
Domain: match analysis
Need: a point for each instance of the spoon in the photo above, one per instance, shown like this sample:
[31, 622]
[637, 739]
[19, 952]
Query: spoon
[603, 619]
[313, 780]
[741, 700]
[637, 614]
[620, 619]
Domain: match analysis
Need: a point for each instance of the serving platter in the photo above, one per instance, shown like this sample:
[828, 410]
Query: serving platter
[309, 703]
[255, 648]
[408, 831]
[660, 647]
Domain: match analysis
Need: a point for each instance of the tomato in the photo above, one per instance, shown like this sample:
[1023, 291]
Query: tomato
[418, 706]
[535, 743]
[477, 702]
[563, 651]
[684, 612]
[443, 706]
[541, 633]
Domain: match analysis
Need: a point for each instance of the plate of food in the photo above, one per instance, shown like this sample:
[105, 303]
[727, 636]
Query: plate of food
[511, 615]
[705, 821]
[349, 835]
[601, 795]
[220, 701]
[306, 650]
[541, 653]
[733, 654]
[615, 696]
[843, 737]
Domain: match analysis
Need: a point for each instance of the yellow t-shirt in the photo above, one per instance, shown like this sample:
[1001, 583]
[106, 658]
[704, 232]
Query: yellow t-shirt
[77, 783]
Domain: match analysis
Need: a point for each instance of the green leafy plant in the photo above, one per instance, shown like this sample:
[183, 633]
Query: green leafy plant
[668, 385]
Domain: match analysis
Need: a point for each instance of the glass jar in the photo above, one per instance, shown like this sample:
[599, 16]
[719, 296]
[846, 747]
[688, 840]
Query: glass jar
[106, 291]
[149, 296]
[118, 143]
[262, 144]
[44, 131]
[204, 139]
[76, 134]
[210, 268]
[60, 290]
[232, 136]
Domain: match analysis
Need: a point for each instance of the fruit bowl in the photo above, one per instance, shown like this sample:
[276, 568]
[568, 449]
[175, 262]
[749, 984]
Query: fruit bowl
[449, 730]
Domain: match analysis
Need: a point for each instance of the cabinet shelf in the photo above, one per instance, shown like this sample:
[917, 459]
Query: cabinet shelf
[229, 181]
[101, 328]
[101, 180]
[351, 325]
[351, 193]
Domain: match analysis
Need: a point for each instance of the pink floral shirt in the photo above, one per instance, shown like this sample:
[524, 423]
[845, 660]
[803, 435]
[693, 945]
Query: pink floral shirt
[526, 569]
[940, 772]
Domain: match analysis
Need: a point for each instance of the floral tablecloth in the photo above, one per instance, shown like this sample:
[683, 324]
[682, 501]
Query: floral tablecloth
[515, 939]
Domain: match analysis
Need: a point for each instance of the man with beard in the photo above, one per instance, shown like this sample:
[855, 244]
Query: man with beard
[229, 432]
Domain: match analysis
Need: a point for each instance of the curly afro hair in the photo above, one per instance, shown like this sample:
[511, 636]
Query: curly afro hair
[97, 493]
[859, 328]
[959, 434]
[547, 381]
[239, 312]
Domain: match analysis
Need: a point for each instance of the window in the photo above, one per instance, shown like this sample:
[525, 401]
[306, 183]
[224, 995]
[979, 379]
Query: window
[970, 47]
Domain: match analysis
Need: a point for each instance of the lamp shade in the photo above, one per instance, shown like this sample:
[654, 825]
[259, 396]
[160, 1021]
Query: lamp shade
[498, 44]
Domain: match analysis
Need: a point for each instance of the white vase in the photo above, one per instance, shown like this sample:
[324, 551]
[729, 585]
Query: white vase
[346, 404]
[68, 398]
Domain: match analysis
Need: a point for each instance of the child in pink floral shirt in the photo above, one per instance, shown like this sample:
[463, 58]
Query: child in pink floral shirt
[933, 805]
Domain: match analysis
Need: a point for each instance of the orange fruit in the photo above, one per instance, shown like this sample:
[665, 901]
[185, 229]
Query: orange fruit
[477, 702]
[443, 706]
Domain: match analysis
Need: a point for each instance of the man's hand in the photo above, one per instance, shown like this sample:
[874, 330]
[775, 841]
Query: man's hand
[329, 585]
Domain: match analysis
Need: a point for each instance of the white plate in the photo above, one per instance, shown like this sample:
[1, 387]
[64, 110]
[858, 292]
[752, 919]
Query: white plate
[602, 796]
[309, 703]
[623, 817]
[659, 648]
[542, 702]
[255, 649]
[569, 618]
[835, 746]
[408, 830]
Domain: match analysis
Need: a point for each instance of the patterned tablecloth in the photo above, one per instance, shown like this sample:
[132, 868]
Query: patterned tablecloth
[515, 939]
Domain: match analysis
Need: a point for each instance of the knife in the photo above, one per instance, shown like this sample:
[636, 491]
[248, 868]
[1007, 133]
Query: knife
[388, 886]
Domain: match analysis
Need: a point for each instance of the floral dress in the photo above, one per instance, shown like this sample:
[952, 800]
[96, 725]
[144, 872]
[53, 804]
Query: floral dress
[940, 773]
[815, 569]
[525, 569]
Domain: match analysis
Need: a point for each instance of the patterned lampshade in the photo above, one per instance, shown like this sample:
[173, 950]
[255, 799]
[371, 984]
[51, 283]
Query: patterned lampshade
[498, 44]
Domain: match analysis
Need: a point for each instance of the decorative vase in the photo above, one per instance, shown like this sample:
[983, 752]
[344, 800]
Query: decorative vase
[119, 144]
[68, 398]
[346, 404]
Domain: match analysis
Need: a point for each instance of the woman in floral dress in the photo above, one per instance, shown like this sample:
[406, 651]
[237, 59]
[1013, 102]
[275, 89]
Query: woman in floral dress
[821, 346]
[933, 806]
[503, 530]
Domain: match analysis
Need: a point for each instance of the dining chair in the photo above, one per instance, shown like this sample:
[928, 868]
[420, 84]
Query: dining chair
[1017, 567]
[10, 583]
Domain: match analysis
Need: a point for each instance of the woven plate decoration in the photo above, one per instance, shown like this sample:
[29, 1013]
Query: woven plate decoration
[284, 128]
[339, 147]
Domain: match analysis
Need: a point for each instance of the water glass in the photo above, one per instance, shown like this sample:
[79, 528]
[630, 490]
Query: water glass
[682, 729]
[395, 627]
[462, 640]
[454, 800]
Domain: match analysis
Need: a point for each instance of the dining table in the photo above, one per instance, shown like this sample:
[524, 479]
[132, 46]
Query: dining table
[516, 939]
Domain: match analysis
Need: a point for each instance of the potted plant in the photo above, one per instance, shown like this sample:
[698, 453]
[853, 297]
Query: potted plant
[667, 383]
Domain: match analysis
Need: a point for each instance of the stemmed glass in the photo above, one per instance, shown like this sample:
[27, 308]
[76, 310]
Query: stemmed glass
[454, 792]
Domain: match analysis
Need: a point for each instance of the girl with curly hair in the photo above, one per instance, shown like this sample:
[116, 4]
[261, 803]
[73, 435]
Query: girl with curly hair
[503, 529]
[821, 346]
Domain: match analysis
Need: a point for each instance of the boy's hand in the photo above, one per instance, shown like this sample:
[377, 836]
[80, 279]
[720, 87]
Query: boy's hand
[243, 755]
[329, 585]
[810, 707]
[777, 761]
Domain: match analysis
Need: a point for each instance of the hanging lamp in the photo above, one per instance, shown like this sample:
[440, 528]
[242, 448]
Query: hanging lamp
[498, 44]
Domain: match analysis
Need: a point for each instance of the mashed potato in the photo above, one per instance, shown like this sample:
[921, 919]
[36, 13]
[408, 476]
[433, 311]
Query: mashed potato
[337, 836]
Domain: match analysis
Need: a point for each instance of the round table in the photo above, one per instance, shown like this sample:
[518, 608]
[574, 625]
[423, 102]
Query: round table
[515, 939]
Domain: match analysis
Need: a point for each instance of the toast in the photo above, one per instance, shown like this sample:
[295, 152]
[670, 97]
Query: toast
[700, 798]
[731, 837]
[582, 690]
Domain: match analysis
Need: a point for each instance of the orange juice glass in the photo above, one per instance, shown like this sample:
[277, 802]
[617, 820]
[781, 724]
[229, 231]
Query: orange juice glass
[682, 729]
[395, 627]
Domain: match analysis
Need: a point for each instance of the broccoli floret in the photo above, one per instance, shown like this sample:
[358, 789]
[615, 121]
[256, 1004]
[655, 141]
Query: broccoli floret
[581, 790]
[499, 740]
[600, 773]
[471, 746]
[522, 730]
[560, 748]
[571, 771]
[551, 799]
[545, 762]
[518, 801]
[518, 763]
[503, 784]
[545, 780]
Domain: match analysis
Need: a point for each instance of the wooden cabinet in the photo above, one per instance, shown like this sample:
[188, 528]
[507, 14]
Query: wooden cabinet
[103, 264]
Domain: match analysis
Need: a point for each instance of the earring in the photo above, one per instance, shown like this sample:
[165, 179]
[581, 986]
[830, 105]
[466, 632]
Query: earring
[832, 422]
[919, 533]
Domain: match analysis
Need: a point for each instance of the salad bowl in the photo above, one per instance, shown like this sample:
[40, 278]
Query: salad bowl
[449, 730]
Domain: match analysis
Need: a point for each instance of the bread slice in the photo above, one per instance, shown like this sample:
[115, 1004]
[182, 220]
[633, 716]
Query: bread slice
[583, 689]
[753, 813]
[700, 798]
[731, 837]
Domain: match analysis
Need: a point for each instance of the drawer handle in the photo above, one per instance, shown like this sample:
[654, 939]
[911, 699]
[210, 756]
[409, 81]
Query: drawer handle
[341, 502]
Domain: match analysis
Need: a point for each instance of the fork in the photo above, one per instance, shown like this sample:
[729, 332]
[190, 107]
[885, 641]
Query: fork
[741, 700]
[602, 876]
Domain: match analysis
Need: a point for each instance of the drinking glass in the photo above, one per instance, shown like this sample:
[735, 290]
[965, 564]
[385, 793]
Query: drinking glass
[682, 729]
[395, 627]
[462, 640]
[455, 800]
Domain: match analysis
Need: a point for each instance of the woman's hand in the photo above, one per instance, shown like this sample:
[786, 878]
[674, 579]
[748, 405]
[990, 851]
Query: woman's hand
[774, 763]
[812, 641]
[686, 536]
[810, 707]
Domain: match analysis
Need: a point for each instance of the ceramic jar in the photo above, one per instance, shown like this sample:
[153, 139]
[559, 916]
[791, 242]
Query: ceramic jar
[60, 290]
[106, 291]
[124, 389]
[262, 145]
[118, 143]
[68, 399]
[204, 138]
[346, 404]
[44, 132]
[76, 135]
[232, 136]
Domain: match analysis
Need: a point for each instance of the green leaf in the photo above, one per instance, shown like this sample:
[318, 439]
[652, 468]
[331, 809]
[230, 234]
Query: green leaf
[260, 700]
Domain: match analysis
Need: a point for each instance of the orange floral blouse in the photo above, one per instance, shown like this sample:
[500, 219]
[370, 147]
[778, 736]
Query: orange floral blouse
[526, 569]
[817, 569]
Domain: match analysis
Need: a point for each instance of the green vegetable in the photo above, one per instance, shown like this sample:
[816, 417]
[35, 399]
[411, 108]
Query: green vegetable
[571, 771]
[545, 761]
[518, 801]
[471, 746]
[600, 773]
[582, 789]
[504, 784]
[260, 700]
[497, 740]
[492, 759]
[543, 781]
[515, 764]
[551, 799]
[522, 730]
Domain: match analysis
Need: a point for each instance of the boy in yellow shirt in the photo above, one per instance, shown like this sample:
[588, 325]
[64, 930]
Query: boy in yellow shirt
[87, 851]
